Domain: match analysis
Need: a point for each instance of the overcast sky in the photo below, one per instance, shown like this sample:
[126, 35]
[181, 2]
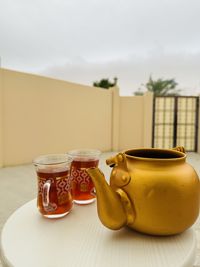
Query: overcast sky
[84, 41]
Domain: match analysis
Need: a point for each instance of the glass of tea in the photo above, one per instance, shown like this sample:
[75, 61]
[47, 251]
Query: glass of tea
[54, 188]
[82, 185]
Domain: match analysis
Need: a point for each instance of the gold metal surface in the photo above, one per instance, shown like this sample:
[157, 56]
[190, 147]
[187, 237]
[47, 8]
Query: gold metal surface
[153, 191]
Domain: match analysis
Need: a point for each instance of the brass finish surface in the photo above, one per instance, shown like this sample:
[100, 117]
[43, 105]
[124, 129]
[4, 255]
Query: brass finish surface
[110, 208]
[153, 191]
[127, 206]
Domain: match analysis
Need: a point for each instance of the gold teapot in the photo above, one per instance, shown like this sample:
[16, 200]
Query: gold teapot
[153, 191]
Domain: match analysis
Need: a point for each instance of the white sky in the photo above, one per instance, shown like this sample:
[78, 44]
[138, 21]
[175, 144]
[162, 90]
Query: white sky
[83, 41]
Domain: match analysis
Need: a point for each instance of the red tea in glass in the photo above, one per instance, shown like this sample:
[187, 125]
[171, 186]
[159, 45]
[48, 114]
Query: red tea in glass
[54, 186]
[82, 185]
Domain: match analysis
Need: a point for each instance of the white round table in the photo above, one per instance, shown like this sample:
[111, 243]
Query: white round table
[80, 240]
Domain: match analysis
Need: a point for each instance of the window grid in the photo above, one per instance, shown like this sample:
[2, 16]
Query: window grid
[175, 122]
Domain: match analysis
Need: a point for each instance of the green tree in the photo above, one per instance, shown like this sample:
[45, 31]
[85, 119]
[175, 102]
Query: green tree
[105, 83]
[160, 87]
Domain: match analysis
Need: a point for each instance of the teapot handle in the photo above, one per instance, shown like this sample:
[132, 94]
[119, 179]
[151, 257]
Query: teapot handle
[128, 206]
[180, 149]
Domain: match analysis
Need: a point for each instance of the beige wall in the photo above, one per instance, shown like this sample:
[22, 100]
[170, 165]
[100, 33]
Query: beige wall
[115, 118]
[198, 136]
[147, 119]
[135, 128]
[40, 115]
[1, 118]
[131, 122]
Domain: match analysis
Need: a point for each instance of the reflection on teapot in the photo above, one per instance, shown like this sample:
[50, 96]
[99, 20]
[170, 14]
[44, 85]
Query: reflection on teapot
[153, 191]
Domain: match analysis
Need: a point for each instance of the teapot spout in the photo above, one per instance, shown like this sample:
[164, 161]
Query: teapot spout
[109, 205]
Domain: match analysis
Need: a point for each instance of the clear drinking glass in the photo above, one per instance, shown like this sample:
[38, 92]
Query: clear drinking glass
[54, 187]
[82, 185]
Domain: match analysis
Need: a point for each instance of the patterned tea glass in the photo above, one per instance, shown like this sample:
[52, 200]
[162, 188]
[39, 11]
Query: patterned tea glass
[82, 185]
[54, 190]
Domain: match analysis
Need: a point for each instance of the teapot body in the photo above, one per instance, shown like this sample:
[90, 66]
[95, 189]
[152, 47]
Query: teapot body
[159, 190]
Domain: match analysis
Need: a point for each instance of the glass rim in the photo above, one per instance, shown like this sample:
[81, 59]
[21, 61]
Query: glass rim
[52, 159]
[83, 153]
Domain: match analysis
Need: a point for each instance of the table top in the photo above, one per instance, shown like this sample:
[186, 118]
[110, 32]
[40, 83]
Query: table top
[79, 239]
